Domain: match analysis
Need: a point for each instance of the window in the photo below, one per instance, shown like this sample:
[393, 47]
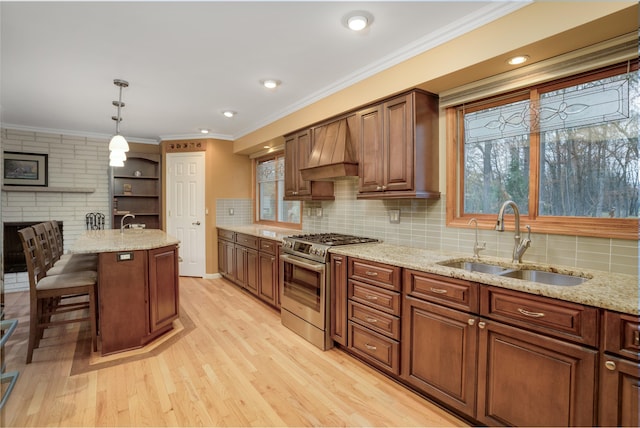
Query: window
[270, 206]
[566, 152]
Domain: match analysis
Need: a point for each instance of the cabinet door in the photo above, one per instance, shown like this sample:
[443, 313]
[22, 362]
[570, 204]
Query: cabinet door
[163, 287]
[526, 379]
[290, 166]
[252, 270]
[222, 258]
[267, 277]
[303, 152]
[439, 349]
[240, 265]
[399, 144]
[338, 291]
[371, 149]
[619, 386]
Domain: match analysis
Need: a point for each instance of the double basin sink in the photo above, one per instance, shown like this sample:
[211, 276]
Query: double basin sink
[526, 274]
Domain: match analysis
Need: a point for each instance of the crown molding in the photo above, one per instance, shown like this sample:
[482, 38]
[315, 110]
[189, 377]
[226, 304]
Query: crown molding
[83, 134]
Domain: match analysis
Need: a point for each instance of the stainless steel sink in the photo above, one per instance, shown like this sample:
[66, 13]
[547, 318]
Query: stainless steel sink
[544, 277]
[474, 266]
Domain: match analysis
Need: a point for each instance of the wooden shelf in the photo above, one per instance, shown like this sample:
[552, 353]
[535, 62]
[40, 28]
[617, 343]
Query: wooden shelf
[48, 189]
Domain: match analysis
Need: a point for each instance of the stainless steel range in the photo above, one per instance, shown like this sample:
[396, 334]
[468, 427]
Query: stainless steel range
[304, 283]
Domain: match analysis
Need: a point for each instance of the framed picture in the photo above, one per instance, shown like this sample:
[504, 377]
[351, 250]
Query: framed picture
[25, 169]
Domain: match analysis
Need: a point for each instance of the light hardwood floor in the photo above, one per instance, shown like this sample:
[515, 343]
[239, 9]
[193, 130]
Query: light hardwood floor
[238, 366]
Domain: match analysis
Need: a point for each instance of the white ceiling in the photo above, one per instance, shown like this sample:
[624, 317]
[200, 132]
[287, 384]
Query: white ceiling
[186, 62]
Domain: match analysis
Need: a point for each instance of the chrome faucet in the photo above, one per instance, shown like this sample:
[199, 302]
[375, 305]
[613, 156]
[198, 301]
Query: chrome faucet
[476, 246]
[520, 245]
[122, 225]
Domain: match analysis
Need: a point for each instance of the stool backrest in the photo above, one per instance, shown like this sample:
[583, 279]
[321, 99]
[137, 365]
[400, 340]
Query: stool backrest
[32, 257]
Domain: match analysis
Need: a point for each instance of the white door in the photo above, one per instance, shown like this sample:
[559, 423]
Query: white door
[185, 209]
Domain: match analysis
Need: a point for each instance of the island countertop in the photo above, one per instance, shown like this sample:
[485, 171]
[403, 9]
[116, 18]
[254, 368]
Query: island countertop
[110, 240]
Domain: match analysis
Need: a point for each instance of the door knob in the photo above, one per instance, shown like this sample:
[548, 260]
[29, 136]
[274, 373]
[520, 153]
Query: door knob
[197, 223]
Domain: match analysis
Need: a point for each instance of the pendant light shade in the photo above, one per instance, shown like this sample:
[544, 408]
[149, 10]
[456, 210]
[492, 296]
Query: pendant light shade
[117, 158]
[119, 143]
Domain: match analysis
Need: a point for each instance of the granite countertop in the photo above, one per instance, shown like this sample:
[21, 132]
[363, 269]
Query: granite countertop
[606, 290]
[105, 241]
[270, 232]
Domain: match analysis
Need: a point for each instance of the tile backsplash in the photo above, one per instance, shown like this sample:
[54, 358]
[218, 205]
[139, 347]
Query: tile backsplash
[423, 225]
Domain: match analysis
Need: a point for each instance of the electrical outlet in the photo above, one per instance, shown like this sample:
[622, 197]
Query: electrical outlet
[319, 212]
[394, 216]
[231, 212]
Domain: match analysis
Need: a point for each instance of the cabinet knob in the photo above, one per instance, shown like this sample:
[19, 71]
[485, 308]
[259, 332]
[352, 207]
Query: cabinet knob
[471, 321]
[610, 365]
[482, 324]
[378, 187]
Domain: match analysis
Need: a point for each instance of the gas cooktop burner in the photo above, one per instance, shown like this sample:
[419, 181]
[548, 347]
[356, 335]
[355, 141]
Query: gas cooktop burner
[332, 239]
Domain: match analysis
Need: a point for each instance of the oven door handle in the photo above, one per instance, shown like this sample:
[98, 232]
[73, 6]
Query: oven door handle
[296, 261]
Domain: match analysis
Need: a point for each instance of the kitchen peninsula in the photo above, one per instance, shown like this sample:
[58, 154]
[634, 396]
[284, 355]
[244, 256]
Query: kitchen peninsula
[138, 281]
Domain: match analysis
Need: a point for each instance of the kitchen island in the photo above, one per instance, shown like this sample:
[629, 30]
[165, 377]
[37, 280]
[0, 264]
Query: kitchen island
[138, 293]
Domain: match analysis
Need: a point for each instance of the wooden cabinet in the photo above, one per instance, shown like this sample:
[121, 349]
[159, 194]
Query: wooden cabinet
[226, 250]
[297, 149]
[138, 296]
[251, 263]
[517, 364]
[268, 287]
[620, 371]
[136, 189]
[399, 148]
[338, 312]
[164, 302]
[527, 379]
[440, 338]
[373, 308]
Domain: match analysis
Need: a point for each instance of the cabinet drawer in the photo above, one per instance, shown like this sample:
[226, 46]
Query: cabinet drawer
[375, 348]
[455, 293]
[247, 240]
[226, 234]
[376, 320]
[375, 297]
[622, 334]
[565, 320]
[268, 246]
[379, 274]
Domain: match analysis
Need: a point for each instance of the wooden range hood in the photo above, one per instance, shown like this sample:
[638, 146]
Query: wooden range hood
[334, 153]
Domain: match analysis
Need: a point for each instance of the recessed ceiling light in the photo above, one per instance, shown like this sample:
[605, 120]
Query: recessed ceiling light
[229, 113]
[357, 22]
[517, 60]
[270, 83]
[204, 131]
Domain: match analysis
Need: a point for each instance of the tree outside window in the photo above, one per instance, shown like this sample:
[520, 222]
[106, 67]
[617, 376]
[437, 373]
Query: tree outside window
[565, 152]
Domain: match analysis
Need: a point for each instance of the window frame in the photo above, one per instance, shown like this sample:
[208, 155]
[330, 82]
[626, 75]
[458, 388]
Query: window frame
[256, 215]
[557, 225]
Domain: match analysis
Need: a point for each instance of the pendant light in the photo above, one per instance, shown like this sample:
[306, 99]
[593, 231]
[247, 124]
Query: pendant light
[118, 144]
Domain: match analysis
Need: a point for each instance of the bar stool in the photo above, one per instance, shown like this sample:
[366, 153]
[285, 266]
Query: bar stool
[51, 260]
[47, 294]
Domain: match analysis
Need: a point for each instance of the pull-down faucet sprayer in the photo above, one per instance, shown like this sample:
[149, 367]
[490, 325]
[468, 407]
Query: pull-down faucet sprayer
[520, 245]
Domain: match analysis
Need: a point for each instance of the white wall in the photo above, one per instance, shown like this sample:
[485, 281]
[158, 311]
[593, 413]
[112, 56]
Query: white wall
[74, 162]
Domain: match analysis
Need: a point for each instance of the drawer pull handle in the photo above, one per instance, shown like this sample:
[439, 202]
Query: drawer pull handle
[370, 297]
[636, 338]
[370, 347]
[370, 273]
[371, 320]
[438, 290]
[610, 365]
[527, 313]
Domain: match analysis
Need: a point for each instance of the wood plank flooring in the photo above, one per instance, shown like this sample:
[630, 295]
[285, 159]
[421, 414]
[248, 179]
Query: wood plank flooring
[238, 367]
